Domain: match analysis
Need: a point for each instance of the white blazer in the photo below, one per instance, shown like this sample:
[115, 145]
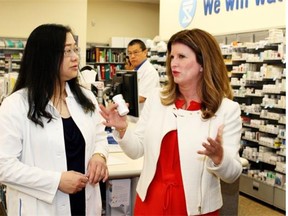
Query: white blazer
[32, 158]
[201, 179]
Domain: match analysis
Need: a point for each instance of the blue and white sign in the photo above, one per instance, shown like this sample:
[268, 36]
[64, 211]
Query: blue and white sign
[187, 12]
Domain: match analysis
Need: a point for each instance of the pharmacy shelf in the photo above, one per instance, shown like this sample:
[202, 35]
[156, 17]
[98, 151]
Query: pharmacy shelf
[258, 79]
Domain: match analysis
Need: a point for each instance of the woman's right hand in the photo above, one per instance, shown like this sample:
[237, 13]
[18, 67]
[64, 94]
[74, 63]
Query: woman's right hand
[112, 117]
[72, 182]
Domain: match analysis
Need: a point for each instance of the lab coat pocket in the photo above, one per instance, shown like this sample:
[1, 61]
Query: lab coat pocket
[22, 205]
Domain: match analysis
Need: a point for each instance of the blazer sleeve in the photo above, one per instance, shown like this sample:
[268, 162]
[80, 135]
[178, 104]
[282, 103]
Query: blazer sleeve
[230, 168]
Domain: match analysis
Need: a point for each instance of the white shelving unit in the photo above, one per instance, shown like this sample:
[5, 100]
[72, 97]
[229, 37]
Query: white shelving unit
[157, 54]
[158, 59]
[11, 51]
[258, 78]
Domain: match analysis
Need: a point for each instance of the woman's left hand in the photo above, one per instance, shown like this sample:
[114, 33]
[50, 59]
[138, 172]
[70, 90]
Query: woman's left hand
[97, 169]
[214, 148]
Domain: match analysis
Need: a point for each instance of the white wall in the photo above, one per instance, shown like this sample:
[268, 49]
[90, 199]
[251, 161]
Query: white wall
[18, 18]
[114, 18]
[111, 18]
[249, 18]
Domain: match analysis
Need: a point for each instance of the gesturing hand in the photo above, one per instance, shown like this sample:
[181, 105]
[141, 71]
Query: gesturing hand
[214, 148]
[72, 182]
[113, 119]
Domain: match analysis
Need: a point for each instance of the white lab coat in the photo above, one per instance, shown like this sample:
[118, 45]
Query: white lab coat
[200, 178]
[148, 79]
[32, 158]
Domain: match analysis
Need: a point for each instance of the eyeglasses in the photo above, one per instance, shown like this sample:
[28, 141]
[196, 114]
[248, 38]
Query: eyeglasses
[135, 53]
[70, 51]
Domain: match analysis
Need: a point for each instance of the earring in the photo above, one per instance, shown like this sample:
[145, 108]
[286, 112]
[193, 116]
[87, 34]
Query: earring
[201, 69]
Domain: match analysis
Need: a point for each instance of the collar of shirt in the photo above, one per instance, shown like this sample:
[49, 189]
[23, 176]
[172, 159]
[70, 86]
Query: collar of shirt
[136, 68]
[179, 103]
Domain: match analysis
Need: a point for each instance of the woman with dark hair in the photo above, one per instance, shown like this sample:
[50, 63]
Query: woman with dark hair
[189, 132]
[53, 146]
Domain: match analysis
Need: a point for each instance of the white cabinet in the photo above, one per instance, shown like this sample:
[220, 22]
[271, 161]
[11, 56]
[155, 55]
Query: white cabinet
[279, 198]
[257, 189]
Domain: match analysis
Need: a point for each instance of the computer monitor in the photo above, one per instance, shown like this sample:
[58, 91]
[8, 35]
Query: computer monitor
[125, 82]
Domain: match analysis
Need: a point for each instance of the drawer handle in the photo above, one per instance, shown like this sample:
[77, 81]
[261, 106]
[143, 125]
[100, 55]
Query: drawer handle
[255, 188]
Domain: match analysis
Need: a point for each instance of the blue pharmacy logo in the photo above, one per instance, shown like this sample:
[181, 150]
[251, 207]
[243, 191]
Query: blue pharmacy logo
[187, 12]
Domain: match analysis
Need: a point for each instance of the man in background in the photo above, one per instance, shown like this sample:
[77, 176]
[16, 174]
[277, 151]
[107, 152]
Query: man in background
[148, 77]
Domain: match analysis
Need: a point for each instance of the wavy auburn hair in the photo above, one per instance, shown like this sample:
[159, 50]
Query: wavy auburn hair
[214, 84]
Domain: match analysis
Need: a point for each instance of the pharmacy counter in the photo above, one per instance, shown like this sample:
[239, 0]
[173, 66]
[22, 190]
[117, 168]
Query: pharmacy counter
[121, 187]
[121, 166]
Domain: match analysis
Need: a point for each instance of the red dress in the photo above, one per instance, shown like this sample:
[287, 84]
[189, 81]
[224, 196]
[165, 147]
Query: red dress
[165, 194]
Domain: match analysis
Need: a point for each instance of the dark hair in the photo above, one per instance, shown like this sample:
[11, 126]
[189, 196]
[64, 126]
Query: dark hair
[214, 85]
[40, 71]
[139, 42]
